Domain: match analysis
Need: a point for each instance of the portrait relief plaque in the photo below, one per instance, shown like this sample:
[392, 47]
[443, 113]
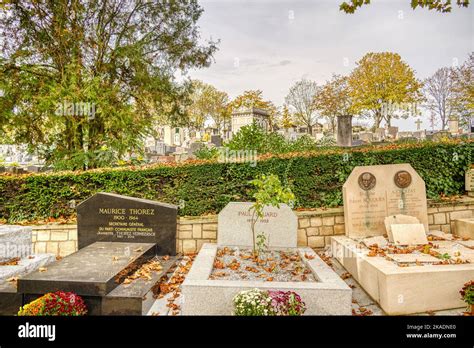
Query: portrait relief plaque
[402, 179]
[367, 181]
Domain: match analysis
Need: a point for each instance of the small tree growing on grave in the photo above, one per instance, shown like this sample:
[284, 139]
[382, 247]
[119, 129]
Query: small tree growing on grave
[270, 192]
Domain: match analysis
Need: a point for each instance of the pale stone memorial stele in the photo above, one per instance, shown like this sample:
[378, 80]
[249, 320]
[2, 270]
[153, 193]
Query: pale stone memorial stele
[278, 224]
[409, 234]
[398, 219]
[371, 193]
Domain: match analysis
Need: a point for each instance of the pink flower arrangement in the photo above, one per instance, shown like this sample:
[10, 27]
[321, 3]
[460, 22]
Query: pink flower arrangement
[268, 303]
[287, 303]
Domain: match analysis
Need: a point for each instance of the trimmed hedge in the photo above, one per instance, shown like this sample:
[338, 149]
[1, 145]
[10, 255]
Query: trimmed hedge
[204, 187]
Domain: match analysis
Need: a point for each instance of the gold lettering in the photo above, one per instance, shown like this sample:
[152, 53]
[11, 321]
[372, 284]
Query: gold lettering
[142, 211]
[111, 211]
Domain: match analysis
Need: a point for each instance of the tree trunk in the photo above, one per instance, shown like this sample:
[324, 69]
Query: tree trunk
[377, 119]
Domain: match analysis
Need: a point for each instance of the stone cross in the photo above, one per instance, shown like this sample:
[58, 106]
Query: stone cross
[418, 124]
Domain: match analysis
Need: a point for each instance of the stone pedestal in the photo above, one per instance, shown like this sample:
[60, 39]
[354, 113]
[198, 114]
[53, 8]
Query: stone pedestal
[344, 130]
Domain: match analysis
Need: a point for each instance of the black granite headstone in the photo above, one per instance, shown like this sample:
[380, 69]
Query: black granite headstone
[216, 140]
[110, 217]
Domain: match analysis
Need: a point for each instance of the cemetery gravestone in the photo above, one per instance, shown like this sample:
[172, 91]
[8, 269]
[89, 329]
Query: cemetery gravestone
[419, 135]
[194, 147]
[116, 235]
[470, 182]
[392, 132]
[379, 134]
[398, 219]
[367, 137]
[344, 130]
[110, 217]
[216, 140]
[409, 234]
[372, 193]
[278, 224]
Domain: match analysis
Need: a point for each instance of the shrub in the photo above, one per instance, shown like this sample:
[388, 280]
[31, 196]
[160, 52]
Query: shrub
[303, 143]
[206, 153]
[57, 303]
[467, 293]
[327, 141]
[205, 187]
[257, 302]
[253, 137]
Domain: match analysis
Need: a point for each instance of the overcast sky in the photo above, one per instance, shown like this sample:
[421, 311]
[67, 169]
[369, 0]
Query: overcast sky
[270, 44]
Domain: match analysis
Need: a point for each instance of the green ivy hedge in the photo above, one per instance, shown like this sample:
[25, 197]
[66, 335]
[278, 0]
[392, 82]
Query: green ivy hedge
[316, 178]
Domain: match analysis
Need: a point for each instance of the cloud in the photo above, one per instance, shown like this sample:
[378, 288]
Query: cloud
[274, 51]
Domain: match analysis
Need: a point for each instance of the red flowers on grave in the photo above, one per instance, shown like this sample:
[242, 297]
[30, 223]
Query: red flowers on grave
[57, 303]
[287, 303]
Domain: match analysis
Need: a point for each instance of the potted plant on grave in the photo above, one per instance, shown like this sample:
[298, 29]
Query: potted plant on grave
[270, 192]
[55, 303]
[467, 295]
[256, 302]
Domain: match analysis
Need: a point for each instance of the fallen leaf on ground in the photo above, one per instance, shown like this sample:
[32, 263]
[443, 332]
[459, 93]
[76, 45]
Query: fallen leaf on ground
[251, 269]
[218, 264]
[346, 275]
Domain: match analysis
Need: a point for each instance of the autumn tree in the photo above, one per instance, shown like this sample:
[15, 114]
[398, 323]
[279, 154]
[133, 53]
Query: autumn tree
[463, 89]
[120, 56]
[442, 6]
[254, 98]
[333, 99]
[301, 100]
[380, 83]
[439, 94]
[207, 103]
[286, 119]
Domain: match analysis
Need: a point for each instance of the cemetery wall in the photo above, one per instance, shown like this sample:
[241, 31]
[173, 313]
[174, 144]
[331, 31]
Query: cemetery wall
[315, 228]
